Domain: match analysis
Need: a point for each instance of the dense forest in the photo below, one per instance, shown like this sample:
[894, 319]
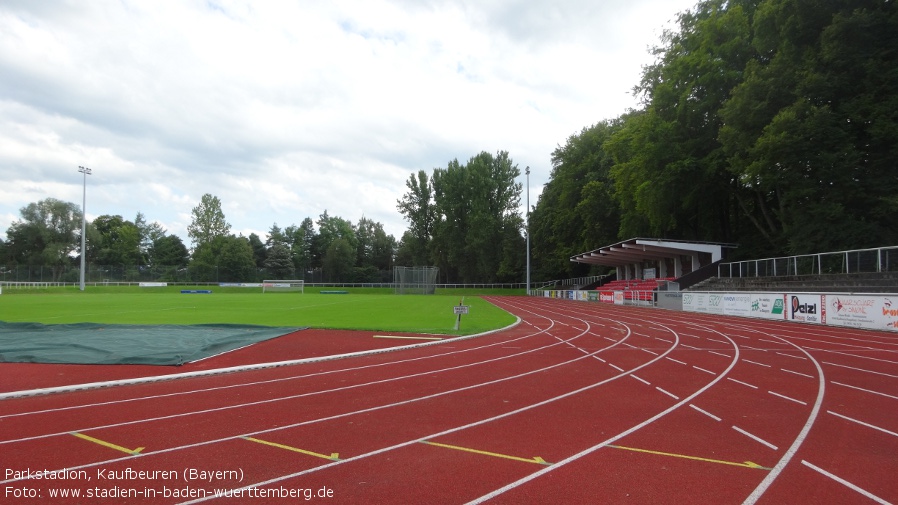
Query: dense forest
[771, 124]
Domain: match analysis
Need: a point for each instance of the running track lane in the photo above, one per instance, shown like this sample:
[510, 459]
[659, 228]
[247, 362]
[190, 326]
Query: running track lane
[580, 402]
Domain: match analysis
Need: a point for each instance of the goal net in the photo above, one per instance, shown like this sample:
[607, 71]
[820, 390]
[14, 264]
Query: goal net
[415, 280]
[280, 286]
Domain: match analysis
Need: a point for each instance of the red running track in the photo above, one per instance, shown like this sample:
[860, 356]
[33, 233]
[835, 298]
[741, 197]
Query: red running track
[579, 403]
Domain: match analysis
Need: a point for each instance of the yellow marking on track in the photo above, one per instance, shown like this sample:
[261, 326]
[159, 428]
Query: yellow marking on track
[537, 459]
[335, 456]
[408, 338]
[747, 464]
[108, 444]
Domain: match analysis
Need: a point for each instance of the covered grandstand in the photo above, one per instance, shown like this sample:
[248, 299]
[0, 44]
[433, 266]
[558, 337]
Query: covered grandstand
[642, 265]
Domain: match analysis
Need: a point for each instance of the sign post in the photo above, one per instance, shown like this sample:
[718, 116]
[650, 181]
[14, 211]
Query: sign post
[459, 310]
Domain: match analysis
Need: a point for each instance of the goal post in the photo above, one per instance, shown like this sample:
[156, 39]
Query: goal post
[282, 286]
[415, 280]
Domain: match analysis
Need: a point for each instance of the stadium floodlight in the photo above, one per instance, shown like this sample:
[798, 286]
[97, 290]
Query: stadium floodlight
[527, 229]
[86, 172]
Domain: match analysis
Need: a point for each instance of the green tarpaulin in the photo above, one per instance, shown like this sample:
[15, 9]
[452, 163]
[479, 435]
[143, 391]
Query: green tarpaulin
[92, 343]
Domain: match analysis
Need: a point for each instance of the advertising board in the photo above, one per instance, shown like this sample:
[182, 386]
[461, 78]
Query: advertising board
[768, 305]
[807, 308]
[861, 311]
[606, 296]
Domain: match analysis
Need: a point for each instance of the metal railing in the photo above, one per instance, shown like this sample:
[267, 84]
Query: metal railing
[877, 260]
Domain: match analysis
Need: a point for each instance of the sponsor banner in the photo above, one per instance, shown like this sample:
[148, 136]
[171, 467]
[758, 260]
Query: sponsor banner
[715, 303]
[870, 312]
[768, 305]
[618, 297]
[606, 296]
[806, 308]
[737, 304]
[593, 296]
[244, 284]
[695, 302]
[153, 284]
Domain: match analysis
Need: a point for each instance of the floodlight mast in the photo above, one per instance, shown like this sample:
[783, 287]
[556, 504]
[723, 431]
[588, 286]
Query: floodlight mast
[86, 172]
[528, 229]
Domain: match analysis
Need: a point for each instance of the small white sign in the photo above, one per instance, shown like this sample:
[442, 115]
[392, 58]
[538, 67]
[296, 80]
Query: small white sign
[460, 309]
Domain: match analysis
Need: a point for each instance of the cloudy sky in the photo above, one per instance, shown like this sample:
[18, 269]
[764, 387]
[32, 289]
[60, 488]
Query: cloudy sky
[285, 109]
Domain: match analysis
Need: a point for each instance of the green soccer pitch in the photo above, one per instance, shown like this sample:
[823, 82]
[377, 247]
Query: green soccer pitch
[134, 305]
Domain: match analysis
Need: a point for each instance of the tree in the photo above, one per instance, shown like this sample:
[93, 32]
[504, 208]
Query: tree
[475, 207]
[224, 259]
[339, 259]
[417, 207]
[811, 131]
[260, 253]
[47, 235]
[279, 262]
[208, 221]
[168, 251]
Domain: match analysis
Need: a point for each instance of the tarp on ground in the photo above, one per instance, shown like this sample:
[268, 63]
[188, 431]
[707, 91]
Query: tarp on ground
[93, 343]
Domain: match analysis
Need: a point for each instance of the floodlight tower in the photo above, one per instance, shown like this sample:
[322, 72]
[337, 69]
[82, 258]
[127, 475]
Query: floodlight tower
[527, 171]
[86, 172]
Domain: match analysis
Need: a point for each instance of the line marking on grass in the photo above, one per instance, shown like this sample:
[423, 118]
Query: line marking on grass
[335, 456]
[747, 464]
[110, 445]
[535, 459]
[408, 338]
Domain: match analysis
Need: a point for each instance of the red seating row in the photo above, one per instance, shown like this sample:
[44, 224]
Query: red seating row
[636, 289]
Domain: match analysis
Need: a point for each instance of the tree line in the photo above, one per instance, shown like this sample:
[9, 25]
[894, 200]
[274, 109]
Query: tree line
[766, 123]
[49, 235]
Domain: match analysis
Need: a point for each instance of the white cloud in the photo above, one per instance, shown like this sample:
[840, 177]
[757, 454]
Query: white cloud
[287, 109]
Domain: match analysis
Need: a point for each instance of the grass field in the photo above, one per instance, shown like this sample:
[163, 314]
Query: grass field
[368, 311]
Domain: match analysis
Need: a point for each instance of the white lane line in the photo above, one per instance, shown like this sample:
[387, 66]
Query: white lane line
[743, 383]
[720, 341]
[648, 351]
[771, 341]
[755, 438]
[797, 373]
[611, 440]
[664, 340]
[720, 354]
[754, 348]
[859, 369]
[705, 412]
[703, 370]
[690, 347]
[755, 363]
[845, 483]
[675, 360]
[799, 439]
[787, 398]
[619, 369]
[864, 424]
[688, 335]
[790, 356]
[864, 390]
[647, 383]
[668, 393]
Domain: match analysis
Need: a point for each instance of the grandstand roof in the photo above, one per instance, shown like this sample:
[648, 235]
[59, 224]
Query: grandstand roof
[639, 249]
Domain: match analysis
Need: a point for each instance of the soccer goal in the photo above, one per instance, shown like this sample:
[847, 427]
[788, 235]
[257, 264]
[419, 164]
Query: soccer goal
[415, 280]
[280, 286]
